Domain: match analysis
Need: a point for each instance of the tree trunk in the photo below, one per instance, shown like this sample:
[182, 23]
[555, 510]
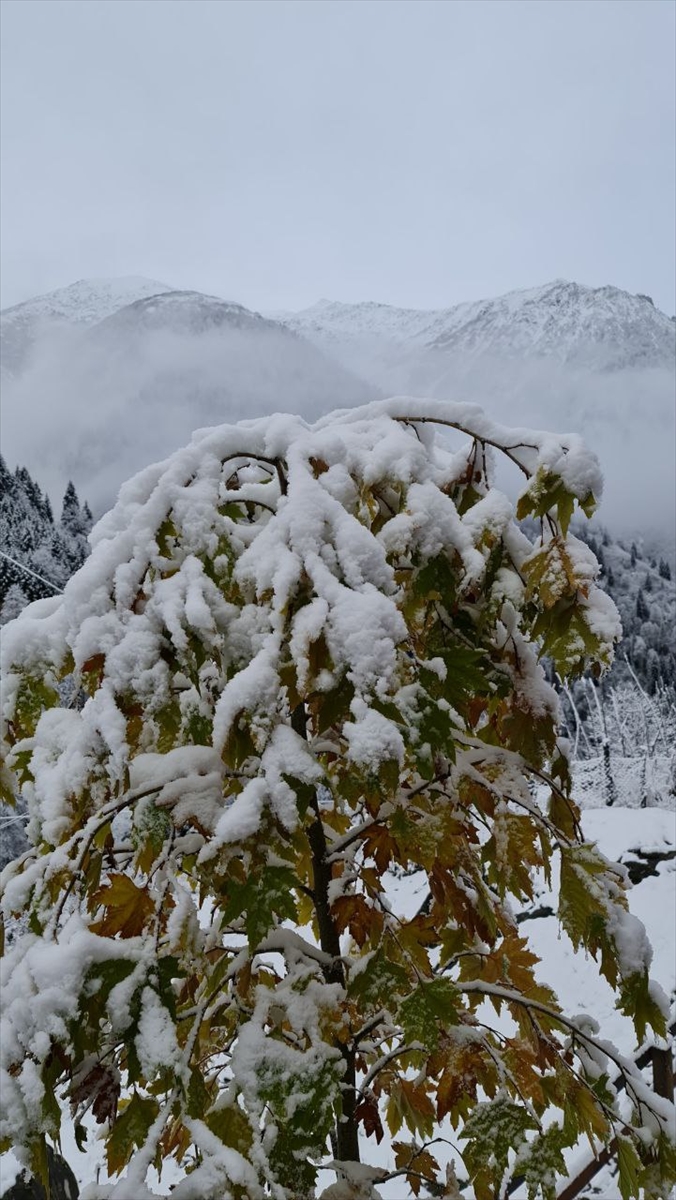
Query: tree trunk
[347, 1134]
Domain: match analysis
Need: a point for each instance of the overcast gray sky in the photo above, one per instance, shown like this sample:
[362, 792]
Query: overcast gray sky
[419, 153]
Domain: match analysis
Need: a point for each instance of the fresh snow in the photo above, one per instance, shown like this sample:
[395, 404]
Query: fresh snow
[602, 326]
[85, 302]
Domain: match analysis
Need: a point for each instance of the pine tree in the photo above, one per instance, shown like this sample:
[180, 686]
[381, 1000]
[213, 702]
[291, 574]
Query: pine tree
[37, 555]
[664, 569]
[70, 509]
[642, 610]
[15, 600]
[311, 655]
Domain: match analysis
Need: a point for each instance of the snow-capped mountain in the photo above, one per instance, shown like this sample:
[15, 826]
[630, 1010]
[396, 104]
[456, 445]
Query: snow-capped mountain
[597, 361]
[87, 300]
[82, 303]
[96, 391]
[101, 357]
[603, 328]
[182, 312]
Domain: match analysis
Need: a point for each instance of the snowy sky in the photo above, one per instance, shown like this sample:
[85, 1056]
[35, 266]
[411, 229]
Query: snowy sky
[419, 153]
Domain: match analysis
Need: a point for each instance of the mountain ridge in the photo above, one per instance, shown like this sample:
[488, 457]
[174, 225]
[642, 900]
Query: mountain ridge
[82, 303]
[130, 387]
[603, 327]
[89, 300]
[98, 399]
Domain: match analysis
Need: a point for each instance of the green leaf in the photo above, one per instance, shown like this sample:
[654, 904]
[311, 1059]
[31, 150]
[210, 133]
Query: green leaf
[291, 1167]
[567, 638]
[467, 675]
[104, 976]
[240, 745]
[130, 1130]
[542, 1165]
[629, 1164]
[565, 507]
[166, 534]
[545, 492]
[259, 899]
[51, 1112]
[636, 1001]
[431, 1008]
[381, 980]
[169, 725]
[527, 733]
[152, 826]
[585, 904]
[198, 1095]
[588, 505]
[35, 695]
[167, 969]
[492, 1130]
[8, 781]
[437, 580]
[334, 707]
[39, 1161]
[231, 1126]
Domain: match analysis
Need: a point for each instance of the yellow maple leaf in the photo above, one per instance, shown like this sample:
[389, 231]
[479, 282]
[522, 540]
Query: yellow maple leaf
[127, 908]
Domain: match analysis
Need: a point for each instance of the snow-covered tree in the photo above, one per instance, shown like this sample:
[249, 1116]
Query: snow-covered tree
[309, 657]
[15, 601]
[37, 555]
[78, 521]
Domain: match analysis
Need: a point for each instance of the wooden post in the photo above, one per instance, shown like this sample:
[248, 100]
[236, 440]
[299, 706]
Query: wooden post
[663, 1073]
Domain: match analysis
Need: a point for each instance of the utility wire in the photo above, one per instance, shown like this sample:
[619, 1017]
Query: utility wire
[48, 582]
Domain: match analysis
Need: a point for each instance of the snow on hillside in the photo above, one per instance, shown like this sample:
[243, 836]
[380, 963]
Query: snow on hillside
[184, 312]
[601, 327]
[87, 300]
[595, 360]
[97, 400]
[82, 303]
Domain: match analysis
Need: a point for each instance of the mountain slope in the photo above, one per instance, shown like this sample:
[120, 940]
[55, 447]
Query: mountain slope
[182, 312]
[96, 400]
[597, 361]
[81, 303]
[604, 328]
[108, 354]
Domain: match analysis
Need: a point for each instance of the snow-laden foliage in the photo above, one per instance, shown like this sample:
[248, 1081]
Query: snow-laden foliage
[303, 656]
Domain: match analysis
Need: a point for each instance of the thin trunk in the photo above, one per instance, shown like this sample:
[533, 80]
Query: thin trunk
[611, 789]
[347, 1133]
